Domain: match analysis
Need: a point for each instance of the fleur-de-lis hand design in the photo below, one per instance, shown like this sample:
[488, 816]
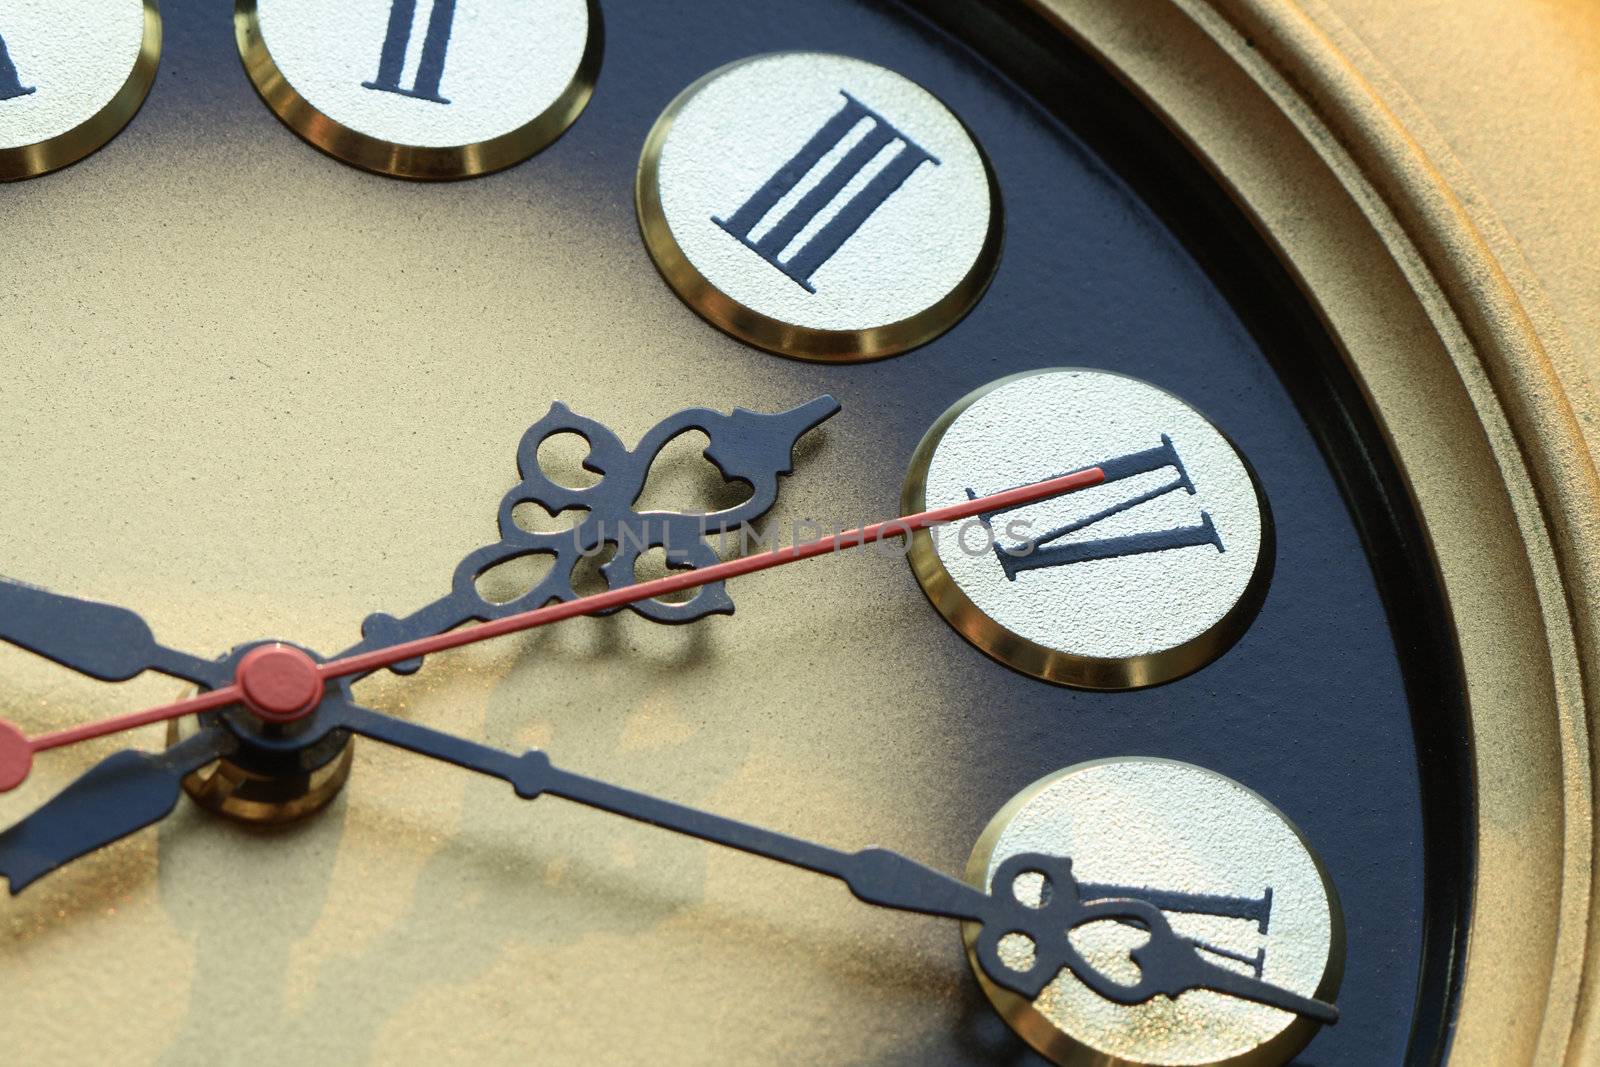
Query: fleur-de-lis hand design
[745, 446]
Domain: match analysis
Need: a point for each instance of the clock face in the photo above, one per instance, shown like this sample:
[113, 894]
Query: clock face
[259, 388]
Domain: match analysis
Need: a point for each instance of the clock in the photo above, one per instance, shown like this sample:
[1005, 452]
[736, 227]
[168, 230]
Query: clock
[952, 532]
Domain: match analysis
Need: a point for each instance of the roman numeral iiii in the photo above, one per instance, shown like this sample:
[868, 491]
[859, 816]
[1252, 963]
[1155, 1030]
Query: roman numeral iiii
[1033, 555]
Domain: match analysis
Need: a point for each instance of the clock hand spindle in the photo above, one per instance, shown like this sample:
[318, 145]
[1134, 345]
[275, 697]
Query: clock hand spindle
[16, 749]
[1168, 964]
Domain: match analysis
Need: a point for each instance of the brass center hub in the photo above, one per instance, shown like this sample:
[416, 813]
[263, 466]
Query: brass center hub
[278, 684]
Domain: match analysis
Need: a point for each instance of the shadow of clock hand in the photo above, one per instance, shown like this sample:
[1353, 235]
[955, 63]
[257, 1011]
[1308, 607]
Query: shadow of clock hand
[464, 912]
[244, 941]
[125, 792]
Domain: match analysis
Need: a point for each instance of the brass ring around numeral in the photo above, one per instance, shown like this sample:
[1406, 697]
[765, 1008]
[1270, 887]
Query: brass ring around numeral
[73, 73]
[1232, 874]
[819, 206]
[1133, 582]
[374, 84]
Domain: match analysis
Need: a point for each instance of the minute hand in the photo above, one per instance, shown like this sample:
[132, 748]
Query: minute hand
[1168, 964]
[875, 875]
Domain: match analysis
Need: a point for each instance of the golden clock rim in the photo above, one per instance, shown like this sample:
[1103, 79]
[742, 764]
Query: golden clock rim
[1453, 346]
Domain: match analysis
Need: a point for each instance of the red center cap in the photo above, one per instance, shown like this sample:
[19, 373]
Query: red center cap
[280, 683]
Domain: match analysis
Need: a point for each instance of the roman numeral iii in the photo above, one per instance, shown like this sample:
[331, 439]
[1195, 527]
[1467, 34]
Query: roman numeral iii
[820, 247]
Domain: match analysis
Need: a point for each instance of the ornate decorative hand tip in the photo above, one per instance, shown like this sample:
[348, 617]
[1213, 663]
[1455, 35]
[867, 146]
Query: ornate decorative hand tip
[1169, 964]
[745, 446]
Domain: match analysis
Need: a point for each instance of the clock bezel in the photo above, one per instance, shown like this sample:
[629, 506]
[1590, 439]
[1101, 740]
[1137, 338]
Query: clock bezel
[1429, 303]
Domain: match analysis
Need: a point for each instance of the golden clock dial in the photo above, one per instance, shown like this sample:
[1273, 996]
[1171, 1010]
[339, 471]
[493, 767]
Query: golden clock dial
[1249, 762]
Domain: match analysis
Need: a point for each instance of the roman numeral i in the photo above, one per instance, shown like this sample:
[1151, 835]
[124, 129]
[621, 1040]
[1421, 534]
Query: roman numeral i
[805, 260]
[11, 85]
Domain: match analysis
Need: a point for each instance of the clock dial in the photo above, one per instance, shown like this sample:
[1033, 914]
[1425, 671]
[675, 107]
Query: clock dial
[281, 401]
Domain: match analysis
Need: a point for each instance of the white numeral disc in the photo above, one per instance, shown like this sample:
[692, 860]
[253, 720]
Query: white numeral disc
[818, 206]
[72, 73]
[1137, 580]
[1228, 871]
[423, 88]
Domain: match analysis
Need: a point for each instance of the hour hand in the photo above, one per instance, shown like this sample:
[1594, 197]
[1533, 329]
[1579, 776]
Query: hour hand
[101, 640]
[124, 792]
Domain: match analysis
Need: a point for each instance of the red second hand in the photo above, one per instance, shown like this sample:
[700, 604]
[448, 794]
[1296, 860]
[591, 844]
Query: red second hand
[733, 568]
[290, 671]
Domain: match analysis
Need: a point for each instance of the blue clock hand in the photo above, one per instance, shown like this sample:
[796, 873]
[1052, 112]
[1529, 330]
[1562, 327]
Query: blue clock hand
[1169, 965]
[101, 640]
[124, 792]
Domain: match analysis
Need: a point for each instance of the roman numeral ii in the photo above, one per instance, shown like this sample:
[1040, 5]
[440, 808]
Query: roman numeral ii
[430, 69]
